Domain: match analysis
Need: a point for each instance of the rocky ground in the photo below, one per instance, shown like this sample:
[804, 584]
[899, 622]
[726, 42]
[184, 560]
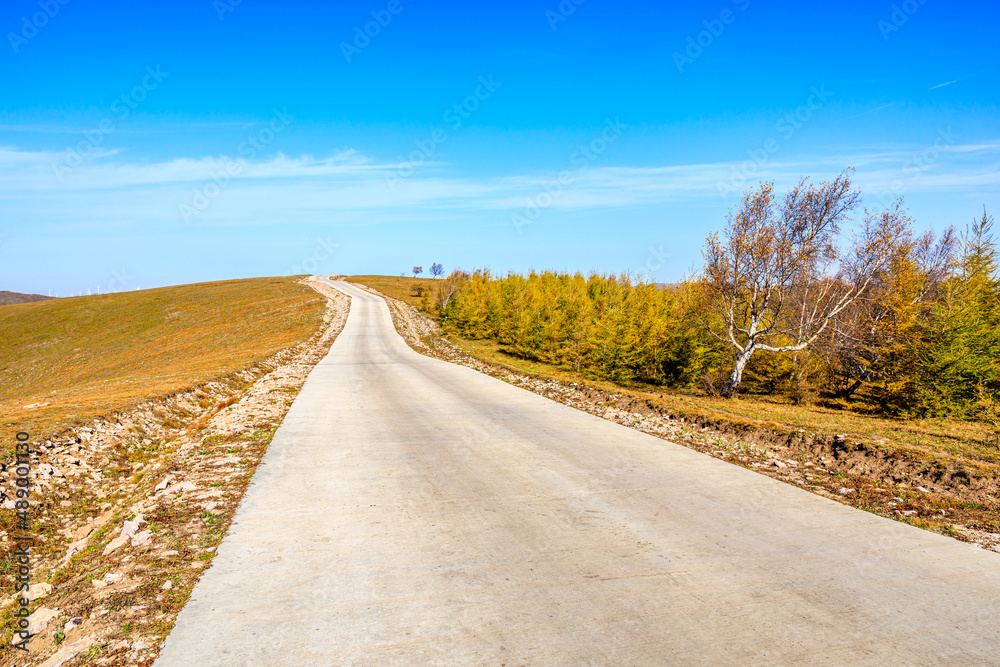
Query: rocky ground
[127, 512]
[951, 498]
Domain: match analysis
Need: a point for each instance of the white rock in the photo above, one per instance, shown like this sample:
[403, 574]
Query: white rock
[40, 620]
[68, 652]
[179, 487]
[129, 528]
[115, 544]
[140, 539]
[137, 647]
[39, 590]
[74, 548]
[109, 578]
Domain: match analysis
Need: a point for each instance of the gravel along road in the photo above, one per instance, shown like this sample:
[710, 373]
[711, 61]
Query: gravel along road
[410, 511]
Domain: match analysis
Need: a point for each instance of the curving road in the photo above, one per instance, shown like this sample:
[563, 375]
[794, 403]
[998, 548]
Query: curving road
[412, 512]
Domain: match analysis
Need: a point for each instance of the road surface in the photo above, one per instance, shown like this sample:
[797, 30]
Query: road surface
[411, 512]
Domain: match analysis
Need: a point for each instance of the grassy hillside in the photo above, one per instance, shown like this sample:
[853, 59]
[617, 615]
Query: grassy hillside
[8, 298]
[395, 286]
[79, 357]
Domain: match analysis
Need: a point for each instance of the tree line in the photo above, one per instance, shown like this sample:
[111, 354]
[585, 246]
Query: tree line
[903, 324]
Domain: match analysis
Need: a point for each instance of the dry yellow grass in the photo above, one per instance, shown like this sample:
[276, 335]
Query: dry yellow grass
[939, 438]
[395, 286]
[86, 356]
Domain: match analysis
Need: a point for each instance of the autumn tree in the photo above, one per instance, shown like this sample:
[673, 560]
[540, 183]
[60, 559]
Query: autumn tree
[447, 290]
[879, 340]
[417, 270]
[436, 270]
[778, 276]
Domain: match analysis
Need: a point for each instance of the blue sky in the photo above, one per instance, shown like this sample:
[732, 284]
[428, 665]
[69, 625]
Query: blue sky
[152, 145]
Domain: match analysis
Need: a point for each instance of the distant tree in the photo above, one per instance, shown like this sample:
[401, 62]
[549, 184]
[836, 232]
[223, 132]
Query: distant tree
[436, 270]
[777, 277]
[417, 270]
[447, 290]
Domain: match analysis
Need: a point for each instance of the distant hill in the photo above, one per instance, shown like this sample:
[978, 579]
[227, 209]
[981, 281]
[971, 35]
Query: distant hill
[76, 358]
[8, 298]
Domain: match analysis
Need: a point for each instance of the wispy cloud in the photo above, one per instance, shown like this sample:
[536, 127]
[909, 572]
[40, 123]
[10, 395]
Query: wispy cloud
[942, 85]
[350, 186]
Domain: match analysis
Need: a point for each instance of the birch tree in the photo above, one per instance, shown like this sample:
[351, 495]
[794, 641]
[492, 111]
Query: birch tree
[777, 276]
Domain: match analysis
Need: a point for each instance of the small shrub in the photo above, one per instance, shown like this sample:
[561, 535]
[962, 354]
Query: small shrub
[989, 408]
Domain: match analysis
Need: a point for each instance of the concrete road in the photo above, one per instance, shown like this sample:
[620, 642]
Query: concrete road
[414, 512]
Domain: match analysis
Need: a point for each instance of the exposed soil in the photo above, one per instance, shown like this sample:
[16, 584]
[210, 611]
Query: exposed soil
[958, 498]
[10, 298]
[127, 511]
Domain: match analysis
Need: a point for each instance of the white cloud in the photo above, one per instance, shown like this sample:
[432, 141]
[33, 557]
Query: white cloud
[350, 186]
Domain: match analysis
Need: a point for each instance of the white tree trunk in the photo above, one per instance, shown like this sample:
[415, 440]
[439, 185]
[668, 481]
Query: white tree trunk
[737, 375]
